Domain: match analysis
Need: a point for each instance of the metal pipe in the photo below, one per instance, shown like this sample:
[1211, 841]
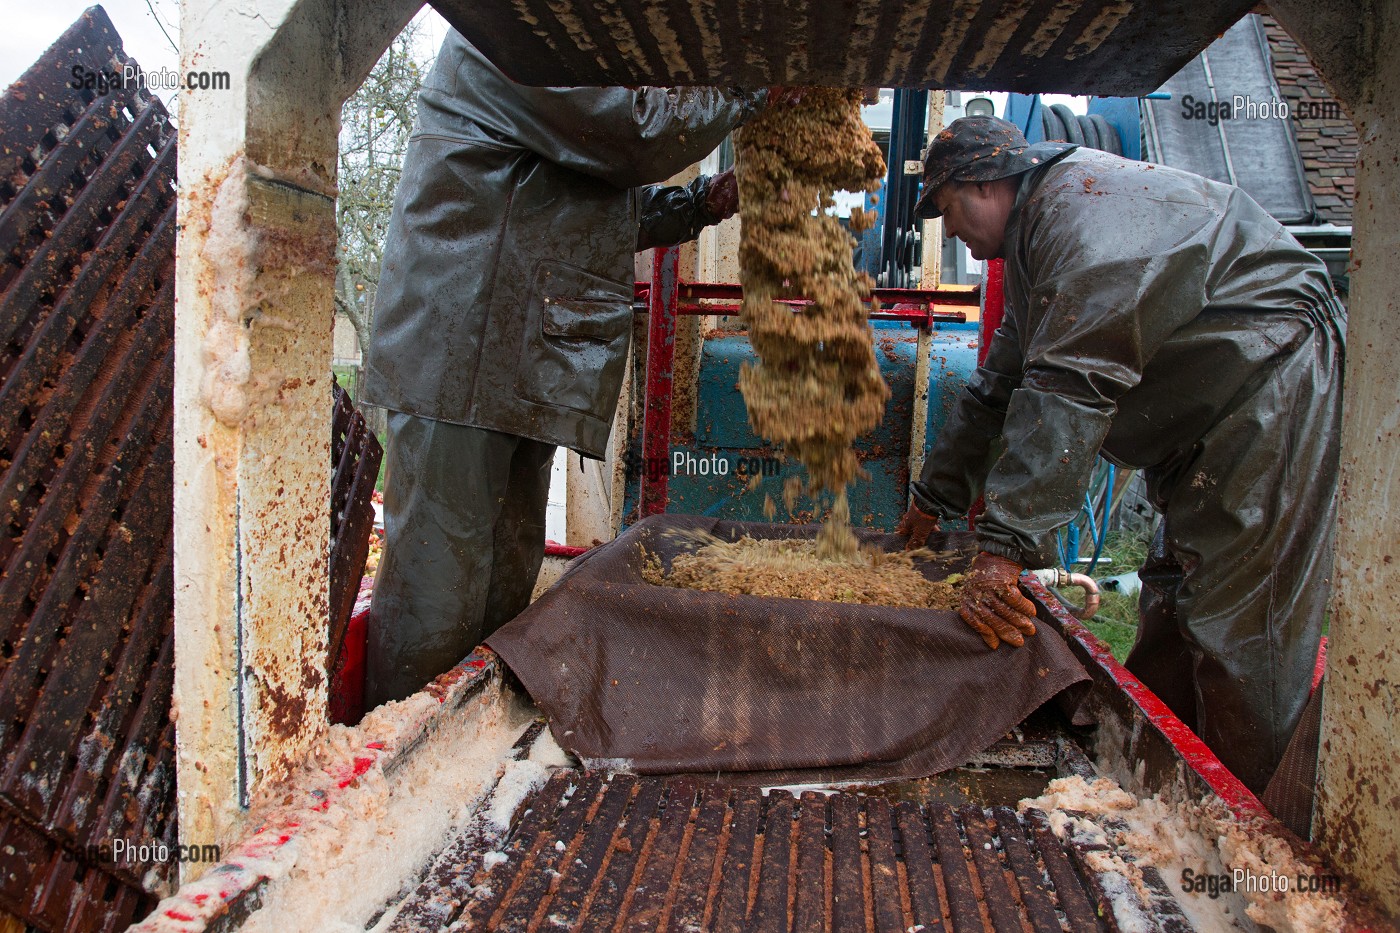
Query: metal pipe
[1054, 576]
[920, 307]
[993, 310]
[732, 291]
[566, 551]
[661, 351]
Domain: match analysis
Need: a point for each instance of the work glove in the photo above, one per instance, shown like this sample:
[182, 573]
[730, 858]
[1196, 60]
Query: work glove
[722, 196]
[917, 525]
[993, 604]
[785, 95]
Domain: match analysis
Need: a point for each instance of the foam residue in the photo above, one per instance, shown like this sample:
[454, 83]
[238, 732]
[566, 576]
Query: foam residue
[826, 790]
[547, 752]
[370, 807]
[610, 765]
[521, 778]
[1182, 840]
[251, 272]
[1074, 793]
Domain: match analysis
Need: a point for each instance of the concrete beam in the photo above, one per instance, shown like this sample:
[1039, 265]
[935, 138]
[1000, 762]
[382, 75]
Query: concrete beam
[256, 262]
[1358, 807]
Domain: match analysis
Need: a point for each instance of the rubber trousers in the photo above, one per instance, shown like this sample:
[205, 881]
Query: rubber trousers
[1235, 588]
[464, 512]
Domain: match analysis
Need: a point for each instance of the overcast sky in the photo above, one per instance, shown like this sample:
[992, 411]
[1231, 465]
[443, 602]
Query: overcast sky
[25, 37]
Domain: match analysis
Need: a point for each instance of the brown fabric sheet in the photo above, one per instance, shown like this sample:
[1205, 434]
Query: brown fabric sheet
[1292, 791]
[766, 690]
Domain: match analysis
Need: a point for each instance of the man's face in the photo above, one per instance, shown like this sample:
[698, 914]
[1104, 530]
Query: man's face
[976, 213]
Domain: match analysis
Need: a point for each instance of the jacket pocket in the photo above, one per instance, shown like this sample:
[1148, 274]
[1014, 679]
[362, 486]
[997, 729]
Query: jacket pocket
[574, 347]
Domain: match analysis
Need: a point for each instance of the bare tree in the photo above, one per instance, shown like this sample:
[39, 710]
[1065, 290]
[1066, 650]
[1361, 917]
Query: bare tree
[376, 123]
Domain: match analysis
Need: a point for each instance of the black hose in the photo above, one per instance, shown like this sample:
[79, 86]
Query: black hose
[1109, 140]
[1070, 123]
[1089, 131]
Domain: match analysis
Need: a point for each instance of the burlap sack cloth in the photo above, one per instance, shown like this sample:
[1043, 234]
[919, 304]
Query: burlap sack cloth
[672, 681]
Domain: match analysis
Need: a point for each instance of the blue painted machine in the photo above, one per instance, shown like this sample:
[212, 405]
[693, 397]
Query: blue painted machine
[707, 472]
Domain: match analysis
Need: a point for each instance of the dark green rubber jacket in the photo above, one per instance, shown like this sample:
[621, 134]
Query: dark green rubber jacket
[1143, 304]
[1170, 323]
[505, 297]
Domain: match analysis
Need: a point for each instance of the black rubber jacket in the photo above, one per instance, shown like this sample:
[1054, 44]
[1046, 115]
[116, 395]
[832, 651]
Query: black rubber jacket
[505, 298]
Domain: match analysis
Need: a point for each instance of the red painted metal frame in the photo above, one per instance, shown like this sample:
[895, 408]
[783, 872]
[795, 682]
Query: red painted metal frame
[993, 306]
[993, 311]
[224, 896]
[1188, 745]
[566, 551]
[916, 306]
[663, 296]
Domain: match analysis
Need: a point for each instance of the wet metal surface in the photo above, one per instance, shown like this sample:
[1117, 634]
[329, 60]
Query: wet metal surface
[87, 229]
[591, 851]
[355, 458]
[1113, 47]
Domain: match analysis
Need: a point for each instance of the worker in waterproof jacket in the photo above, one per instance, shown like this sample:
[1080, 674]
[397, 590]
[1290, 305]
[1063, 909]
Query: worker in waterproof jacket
[501, 328]
[1169, 323]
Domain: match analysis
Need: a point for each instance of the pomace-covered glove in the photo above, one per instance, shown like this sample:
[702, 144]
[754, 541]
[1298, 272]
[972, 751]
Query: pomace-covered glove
[917, 525]
[722, 196]
[993, 603]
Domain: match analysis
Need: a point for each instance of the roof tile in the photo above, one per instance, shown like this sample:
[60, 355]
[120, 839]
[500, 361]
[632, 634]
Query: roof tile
[1328, 146]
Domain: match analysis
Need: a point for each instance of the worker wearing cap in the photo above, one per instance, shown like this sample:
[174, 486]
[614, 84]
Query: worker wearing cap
[1169, 323]
[501, 328]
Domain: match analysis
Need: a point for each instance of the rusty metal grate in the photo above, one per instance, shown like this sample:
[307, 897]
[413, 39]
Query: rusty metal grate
[593, 852]
[355, 457]
[1059, 46]
[87, 284]
[87, 234]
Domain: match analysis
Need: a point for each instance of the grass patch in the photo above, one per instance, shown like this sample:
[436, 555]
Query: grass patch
[1116, 622]
[345, 375]
[1123, 552]
[383, 463]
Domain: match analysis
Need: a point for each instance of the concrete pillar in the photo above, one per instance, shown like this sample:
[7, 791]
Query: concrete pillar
[256, 261]
[1358, 807]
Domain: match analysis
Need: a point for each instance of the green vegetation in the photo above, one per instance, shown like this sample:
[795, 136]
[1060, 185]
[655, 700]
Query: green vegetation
[345, 375]
[1123, 552]
[379, 483]
[1116, 622]
[1117, 619]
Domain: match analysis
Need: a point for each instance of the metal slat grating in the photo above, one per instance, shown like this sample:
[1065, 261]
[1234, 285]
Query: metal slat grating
[87, 235]
[594, 852]
[1056, 46]
[355, 458]
[87, 226]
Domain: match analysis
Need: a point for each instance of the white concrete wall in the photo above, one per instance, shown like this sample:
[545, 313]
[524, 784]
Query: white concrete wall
[345, 343]
[255, 264]
[1357, 819]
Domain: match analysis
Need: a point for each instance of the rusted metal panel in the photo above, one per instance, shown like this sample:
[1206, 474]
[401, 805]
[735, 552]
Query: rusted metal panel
[355, 457]
[1111, 47]
[623, 852]
[87, 229]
